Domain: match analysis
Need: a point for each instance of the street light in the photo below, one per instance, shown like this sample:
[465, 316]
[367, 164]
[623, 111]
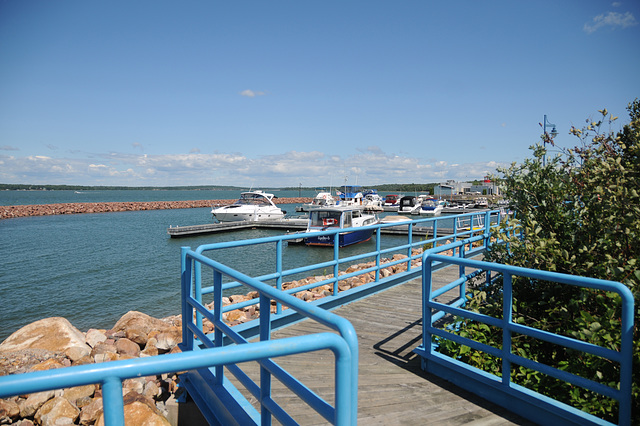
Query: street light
[554, 133]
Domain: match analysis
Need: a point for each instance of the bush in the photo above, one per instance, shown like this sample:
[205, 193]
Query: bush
[579, 213]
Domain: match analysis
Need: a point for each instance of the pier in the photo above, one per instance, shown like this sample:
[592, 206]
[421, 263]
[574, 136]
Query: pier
[287, 225]
[392, 388]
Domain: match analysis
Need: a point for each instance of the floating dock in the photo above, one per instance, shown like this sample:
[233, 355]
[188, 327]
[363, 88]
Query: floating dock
[288, 225]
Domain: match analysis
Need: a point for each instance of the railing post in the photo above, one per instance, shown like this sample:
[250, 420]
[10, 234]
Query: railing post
[112, 403]
[507, 314]
[218, 337]
[279, 272]
[410, 244]
[378, 257]
[336, 258]
[265, 376]
[187, 310]
[487, 229]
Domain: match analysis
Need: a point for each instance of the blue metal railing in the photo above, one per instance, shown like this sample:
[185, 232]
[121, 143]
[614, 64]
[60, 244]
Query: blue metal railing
[216, 407]
[482, 222]
[111, 374]
[230, 346]
[500, 389]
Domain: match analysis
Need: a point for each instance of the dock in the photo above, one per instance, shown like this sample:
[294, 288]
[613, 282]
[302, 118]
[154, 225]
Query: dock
[392, 388]
[288, 225]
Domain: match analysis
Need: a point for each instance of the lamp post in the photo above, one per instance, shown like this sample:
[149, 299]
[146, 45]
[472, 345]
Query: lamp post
[554, 133]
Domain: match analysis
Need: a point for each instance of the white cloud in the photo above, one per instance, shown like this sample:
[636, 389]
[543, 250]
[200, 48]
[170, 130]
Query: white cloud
[610, 19]
[311, 168]
[251, 94]
[8, 148]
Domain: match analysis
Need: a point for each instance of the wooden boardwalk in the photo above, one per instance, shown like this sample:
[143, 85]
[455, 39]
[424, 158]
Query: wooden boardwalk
[392, 388]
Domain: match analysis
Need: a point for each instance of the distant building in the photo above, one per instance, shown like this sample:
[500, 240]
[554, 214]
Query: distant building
[487, 187]
[451, 187]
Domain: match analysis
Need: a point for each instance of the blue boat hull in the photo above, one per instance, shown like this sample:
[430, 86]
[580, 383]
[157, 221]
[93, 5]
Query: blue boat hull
[344, 239]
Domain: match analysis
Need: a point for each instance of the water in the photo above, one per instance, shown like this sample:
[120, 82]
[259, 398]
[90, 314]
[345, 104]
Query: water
[94, 268]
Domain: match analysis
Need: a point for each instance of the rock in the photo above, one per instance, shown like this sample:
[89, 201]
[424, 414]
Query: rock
[139, 410]
[49, 364]
[151, 390]
[93, 337]
[23, 360]
[127, 347]
[9, 411]
[106, 357]
[56, 411]
[53, 334]
[77, 352]
[142, 324]
[102, 348]
[91, 412]
[75, 393]
[33, 402]
[166, 340]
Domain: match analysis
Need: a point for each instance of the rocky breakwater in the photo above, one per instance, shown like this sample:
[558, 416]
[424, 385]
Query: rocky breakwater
[8, 212]
[56, 343]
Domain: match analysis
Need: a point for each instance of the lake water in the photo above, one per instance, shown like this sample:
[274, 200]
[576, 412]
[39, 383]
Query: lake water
[94, 268]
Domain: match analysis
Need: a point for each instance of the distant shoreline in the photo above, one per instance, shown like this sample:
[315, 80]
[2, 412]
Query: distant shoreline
[11, 212]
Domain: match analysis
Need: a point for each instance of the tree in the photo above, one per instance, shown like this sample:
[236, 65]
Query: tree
[578, 214]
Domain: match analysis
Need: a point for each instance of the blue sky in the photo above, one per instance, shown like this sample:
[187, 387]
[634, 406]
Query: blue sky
[282, 93]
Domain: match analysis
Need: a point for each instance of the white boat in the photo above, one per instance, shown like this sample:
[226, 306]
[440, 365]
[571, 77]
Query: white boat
[350, 196]
[330, 218]
[323, 199]
[481, 203]
[431, 207]
[408, 204]
[372, 201]
[251, 206]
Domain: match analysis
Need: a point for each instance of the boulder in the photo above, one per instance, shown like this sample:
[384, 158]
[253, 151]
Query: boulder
[93, 337]
[139, 410]
[137, 326]
[52, 334]
[127, 347]
[57, 411]
[9, 411]
[33, 402]
[91, 412]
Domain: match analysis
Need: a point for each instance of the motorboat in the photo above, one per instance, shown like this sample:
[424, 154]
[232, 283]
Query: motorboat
[323, 199]
[334, 218]
[408, 204]
[481, 203]
[350, 196]
[391, 200]
[251, 206]
[431, 207]
[372, 201]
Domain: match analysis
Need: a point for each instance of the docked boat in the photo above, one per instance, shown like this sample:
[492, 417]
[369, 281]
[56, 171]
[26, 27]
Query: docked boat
[481, 203]
[323, 199]
[408, 204]
[372, 201]
[251, 206]
[431, 207]
[332, 218]
[350, 196]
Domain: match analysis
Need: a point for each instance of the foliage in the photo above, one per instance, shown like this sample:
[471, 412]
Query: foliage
[579, 213]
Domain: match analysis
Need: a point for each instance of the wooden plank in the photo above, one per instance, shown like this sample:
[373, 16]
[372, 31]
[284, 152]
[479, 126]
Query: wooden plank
[392, 389]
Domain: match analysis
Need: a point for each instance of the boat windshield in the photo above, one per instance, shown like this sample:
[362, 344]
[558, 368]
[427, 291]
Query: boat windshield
[325, 219]
[253, 199]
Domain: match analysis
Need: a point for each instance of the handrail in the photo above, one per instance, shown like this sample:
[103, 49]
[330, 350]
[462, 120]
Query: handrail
[194, 336]
[490, 220]
[514, 394]
[111, 374]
